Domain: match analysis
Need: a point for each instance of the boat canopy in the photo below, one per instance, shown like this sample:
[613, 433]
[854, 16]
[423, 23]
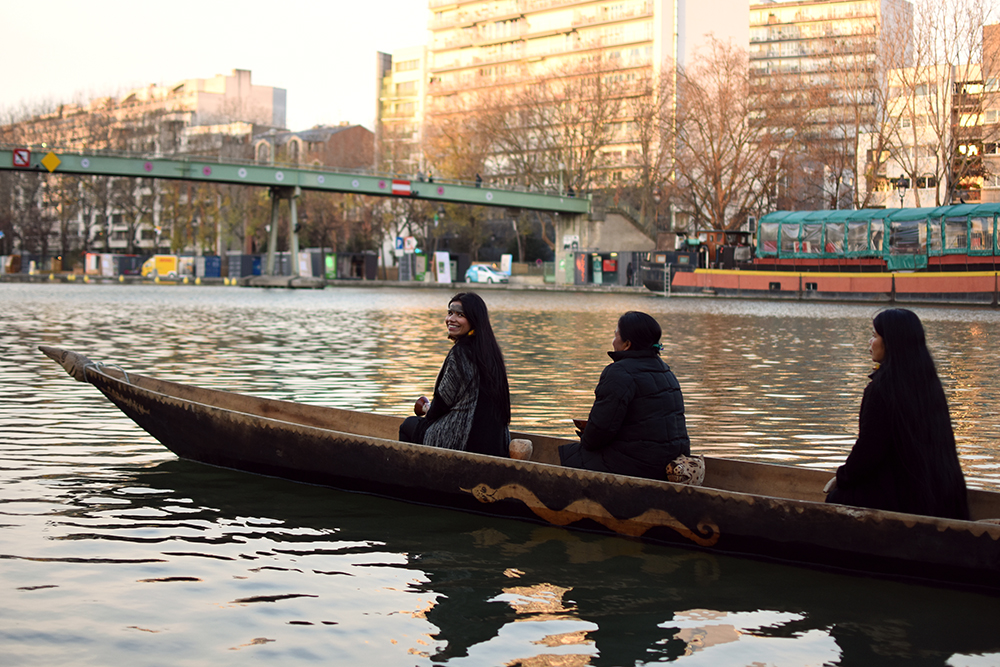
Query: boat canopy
[904, 237]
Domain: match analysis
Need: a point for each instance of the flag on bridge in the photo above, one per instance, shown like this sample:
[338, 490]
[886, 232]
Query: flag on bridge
[401, 188]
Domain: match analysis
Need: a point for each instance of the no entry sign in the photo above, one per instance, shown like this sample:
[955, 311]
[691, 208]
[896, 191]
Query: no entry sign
[22, 158]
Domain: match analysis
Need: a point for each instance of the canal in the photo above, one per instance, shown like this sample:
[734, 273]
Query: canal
[113, 551]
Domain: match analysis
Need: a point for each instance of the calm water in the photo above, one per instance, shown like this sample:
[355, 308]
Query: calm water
[112, 551]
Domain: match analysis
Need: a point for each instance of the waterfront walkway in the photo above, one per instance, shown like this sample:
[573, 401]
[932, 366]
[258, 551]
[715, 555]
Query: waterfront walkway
[520, 283]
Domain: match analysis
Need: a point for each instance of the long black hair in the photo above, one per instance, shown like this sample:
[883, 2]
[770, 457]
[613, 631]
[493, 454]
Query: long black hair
[486, 354]
[641, 330]
[917, 404]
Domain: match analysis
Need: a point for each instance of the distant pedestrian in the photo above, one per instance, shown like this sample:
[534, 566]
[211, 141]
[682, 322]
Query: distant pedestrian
[479, 181]
[628, 274]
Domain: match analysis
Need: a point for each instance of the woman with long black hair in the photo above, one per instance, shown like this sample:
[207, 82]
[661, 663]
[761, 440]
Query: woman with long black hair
[470, 409]
[905, 458]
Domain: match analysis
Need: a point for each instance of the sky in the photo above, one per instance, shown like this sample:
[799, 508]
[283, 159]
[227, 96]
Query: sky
[321, 52]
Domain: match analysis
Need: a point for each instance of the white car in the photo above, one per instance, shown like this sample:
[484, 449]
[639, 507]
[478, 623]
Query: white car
[484, 274]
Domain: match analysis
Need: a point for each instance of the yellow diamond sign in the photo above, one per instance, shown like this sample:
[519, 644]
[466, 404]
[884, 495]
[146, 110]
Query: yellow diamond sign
[50, 162]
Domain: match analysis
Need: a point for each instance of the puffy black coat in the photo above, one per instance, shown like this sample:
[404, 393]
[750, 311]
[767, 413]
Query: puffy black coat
[636, 425]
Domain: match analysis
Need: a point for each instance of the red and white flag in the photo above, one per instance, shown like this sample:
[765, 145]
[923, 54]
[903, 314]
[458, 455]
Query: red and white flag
[401, 188]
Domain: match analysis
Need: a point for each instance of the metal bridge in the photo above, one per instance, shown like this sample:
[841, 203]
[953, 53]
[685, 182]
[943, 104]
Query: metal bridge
[284, 182]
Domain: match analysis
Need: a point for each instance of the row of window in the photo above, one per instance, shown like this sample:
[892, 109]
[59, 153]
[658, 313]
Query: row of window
[969, 234]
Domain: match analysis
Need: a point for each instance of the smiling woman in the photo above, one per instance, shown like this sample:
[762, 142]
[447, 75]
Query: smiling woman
[470, 410]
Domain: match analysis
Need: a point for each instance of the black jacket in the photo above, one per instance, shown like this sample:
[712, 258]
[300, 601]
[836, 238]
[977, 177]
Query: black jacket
[636, 425]
[878, 475]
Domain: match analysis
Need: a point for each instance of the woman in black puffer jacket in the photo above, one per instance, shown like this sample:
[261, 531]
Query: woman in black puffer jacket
[636, 425]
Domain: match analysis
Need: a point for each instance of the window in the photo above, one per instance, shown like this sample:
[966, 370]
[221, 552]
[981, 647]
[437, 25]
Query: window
[812, 238]
[768, 237]
[955, 233]
[857, 236]
[789, 240]
[934, 237]
[924, 182]
[981, 234]
[878, 233]
[908, 238]
[835, 238]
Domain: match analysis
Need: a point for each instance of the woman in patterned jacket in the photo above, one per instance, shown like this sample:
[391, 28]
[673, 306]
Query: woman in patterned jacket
[470, 409]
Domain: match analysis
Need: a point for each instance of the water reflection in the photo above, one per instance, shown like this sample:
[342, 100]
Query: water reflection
[487, 587]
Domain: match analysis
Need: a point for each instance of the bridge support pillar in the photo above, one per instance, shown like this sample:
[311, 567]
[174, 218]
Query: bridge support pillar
[293, 229]
[272, 236]
[277, 194]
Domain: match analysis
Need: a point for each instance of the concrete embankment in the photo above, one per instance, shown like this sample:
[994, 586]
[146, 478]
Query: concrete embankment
[288, 282]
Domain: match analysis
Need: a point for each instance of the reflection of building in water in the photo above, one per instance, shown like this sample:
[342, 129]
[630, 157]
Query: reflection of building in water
[709, 633]
[544, 602]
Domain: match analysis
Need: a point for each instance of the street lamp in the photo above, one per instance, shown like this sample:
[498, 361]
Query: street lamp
[902, 183]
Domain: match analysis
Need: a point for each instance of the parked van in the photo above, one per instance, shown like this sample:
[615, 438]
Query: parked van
[161, 266]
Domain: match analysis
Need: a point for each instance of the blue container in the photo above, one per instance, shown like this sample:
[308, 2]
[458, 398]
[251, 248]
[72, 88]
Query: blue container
[213, 266]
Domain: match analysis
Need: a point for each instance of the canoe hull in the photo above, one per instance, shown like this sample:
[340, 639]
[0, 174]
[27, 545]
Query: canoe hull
[304, 444]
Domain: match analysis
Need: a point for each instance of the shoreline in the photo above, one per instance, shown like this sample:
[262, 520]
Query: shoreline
[518, 283]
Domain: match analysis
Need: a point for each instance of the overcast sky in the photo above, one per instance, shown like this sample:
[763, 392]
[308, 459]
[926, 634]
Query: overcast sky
[321, 52]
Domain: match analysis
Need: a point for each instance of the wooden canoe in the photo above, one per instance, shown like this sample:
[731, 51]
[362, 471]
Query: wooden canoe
[760, 510]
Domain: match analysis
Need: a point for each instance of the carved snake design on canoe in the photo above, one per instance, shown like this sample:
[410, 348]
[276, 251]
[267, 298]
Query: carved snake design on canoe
[707, 532]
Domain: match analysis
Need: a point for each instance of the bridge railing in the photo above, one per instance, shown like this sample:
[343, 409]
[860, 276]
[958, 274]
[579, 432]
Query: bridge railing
[307, 166]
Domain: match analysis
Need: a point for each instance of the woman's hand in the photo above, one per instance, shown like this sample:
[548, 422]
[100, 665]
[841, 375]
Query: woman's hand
[421, 406]
[831, 485]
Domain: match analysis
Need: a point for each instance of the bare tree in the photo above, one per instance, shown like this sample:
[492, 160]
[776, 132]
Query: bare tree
[722, 143]
[939, 99]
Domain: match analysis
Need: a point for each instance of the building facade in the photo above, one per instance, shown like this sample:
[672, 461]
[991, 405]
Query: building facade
[215, 117]
[402, 86]
[829, 59]
[479, 48]
[944, 143]
[343, 146]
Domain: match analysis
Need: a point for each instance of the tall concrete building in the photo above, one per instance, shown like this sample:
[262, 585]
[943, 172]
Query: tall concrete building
[402, 86]
[179, 118]
[944, 147]
[830, 57]
[482, 43]
[482, 46]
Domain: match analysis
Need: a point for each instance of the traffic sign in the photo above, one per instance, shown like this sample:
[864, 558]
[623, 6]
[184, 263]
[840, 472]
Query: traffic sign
[22, 158]
[410, 244]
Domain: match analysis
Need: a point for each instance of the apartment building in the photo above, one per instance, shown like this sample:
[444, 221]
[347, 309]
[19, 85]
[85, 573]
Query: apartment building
[166, 120]
[343, 146]
[486, 43]
[480, 47]
[214, 117]
[944, 147]
[829, 58]
[402, 86]
[943, 142]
